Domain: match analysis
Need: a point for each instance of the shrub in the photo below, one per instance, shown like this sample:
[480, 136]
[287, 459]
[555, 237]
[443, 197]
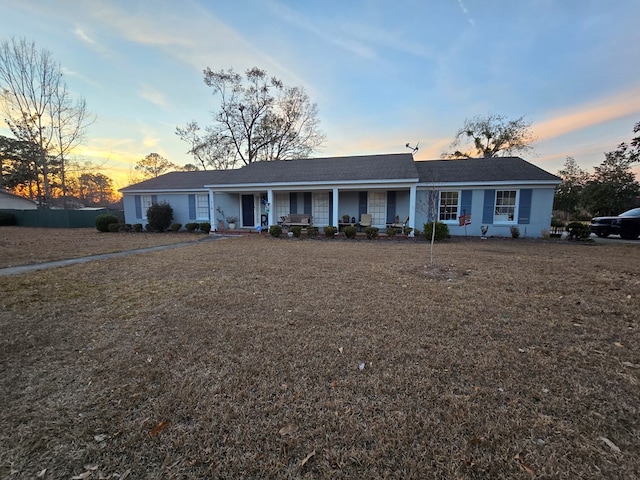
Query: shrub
[391, 231]
[115, 227]
[137, 227]
[296, 230]
[330, 231]
[159, 216]
[175, 227]
[191, 227]
[350, 231]
[578, 231]
[7, 218]
[103, 221]
[205, 227]
[515, 232]
[275, 231]
[312, 232]
[442, 231]
[372, 232]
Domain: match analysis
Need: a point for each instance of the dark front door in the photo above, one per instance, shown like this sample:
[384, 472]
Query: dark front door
[247, 211]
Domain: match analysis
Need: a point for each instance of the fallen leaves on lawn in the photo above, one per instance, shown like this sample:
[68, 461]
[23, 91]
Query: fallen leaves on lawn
[306, 459]
[89, 469]
[524, 466]
[610, 444]
[158, 428]
[288, 429]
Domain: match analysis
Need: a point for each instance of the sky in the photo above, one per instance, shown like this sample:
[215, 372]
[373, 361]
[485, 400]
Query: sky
[383, 73]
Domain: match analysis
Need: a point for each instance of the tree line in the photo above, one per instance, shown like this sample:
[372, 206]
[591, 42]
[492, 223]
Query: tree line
[47, 122]
[609, 190]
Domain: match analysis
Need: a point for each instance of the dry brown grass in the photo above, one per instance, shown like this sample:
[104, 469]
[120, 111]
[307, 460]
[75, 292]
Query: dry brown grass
[23, 246]
[239, 358]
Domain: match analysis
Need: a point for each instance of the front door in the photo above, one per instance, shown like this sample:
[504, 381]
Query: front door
[248, 211]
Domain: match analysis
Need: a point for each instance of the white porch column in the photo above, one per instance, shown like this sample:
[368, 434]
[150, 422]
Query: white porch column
[271, 208]
[212, 211]
[334, 213]
[412, 209]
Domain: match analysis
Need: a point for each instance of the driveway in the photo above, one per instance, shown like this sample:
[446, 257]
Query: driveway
[614, 239]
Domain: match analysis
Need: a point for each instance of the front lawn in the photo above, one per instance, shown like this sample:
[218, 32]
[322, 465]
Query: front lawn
[255, 357]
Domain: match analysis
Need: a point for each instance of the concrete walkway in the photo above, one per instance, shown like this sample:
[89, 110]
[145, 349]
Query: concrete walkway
[102, 256]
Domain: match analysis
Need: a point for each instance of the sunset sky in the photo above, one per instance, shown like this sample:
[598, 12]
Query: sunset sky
[383, 73]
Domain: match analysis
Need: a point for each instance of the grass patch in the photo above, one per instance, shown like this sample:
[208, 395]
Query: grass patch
[256, 357]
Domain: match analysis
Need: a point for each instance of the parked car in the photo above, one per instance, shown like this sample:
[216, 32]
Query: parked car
[627, 225]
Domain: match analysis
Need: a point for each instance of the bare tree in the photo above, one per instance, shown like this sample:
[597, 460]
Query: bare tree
[259, 120]
[154, 165]
[204, 148]
[39, 108]
[491, 136]
[69, 120]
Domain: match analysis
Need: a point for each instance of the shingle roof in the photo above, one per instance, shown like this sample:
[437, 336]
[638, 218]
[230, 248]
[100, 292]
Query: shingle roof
[389, 167]
[175, 181]
[398, 166]
[494, 169]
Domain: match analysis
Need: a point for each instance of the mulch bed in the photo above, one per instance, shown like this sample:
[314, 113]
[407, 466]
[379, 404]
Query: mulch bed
[252, 357]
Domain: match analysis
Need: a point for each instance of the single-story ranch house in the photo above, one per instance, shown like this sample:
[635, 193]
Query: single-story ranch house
[500, 192]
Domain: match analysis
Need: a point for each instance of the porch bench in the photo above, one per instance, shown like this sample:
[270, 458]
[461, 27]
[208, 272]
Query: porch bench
[297, 220]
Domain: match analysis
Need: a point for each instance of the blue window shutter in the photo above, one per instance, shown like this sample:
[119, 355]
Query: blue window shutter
[362, 203]
[154, 199]
[307, 203]
[391, 206]
[293, 202]
[487, 209]
[524, 209]
[465, 202]
[138, 202]
[330, 208]
[192, 207]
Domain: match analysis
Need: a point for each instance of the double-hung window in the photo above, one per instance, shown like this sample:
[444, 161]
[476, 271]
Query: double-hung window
[506, 201]
[202, 206]
[147, 201]
[449, 206]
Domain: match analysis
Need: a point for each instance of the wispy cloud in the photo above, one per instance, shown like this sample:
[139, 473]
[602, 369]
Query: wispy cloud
[587, 115]
[329, 35]
[152, 95]
[78, 32]
[466, 13]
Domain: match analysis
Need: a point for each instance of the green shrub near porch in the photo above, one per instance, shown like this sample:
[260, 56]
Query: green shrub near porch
[350, 231]
[330, 231]
[442, 231]
[275, 231]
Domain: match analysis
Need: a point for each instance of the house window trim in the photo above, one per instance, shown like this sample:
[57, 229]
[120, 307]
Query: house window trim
[146, 201]
[202, 207]
[514, 220]
[452, 221]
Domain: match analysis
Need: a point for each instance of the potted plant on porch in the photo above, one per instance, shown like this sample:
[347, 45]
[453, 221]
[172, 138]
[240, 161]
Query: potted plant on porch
[232, 222]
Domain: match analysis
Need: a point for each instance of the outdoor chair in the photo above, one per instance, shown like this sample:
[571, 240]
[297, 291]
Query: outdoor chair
[365, 220]
[399, 225]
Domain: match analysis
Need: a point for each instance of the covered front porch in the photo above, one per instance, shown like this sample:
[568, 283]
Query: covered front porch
[259, 209]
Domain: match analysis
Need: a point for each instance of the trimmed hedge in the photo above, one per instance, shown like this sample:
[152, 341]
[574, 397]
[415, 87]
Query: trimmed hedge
[103, 221]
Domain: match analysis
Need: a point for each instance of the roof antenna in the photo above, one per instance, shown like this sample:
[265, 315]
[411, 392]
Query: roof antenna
[413, 149]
